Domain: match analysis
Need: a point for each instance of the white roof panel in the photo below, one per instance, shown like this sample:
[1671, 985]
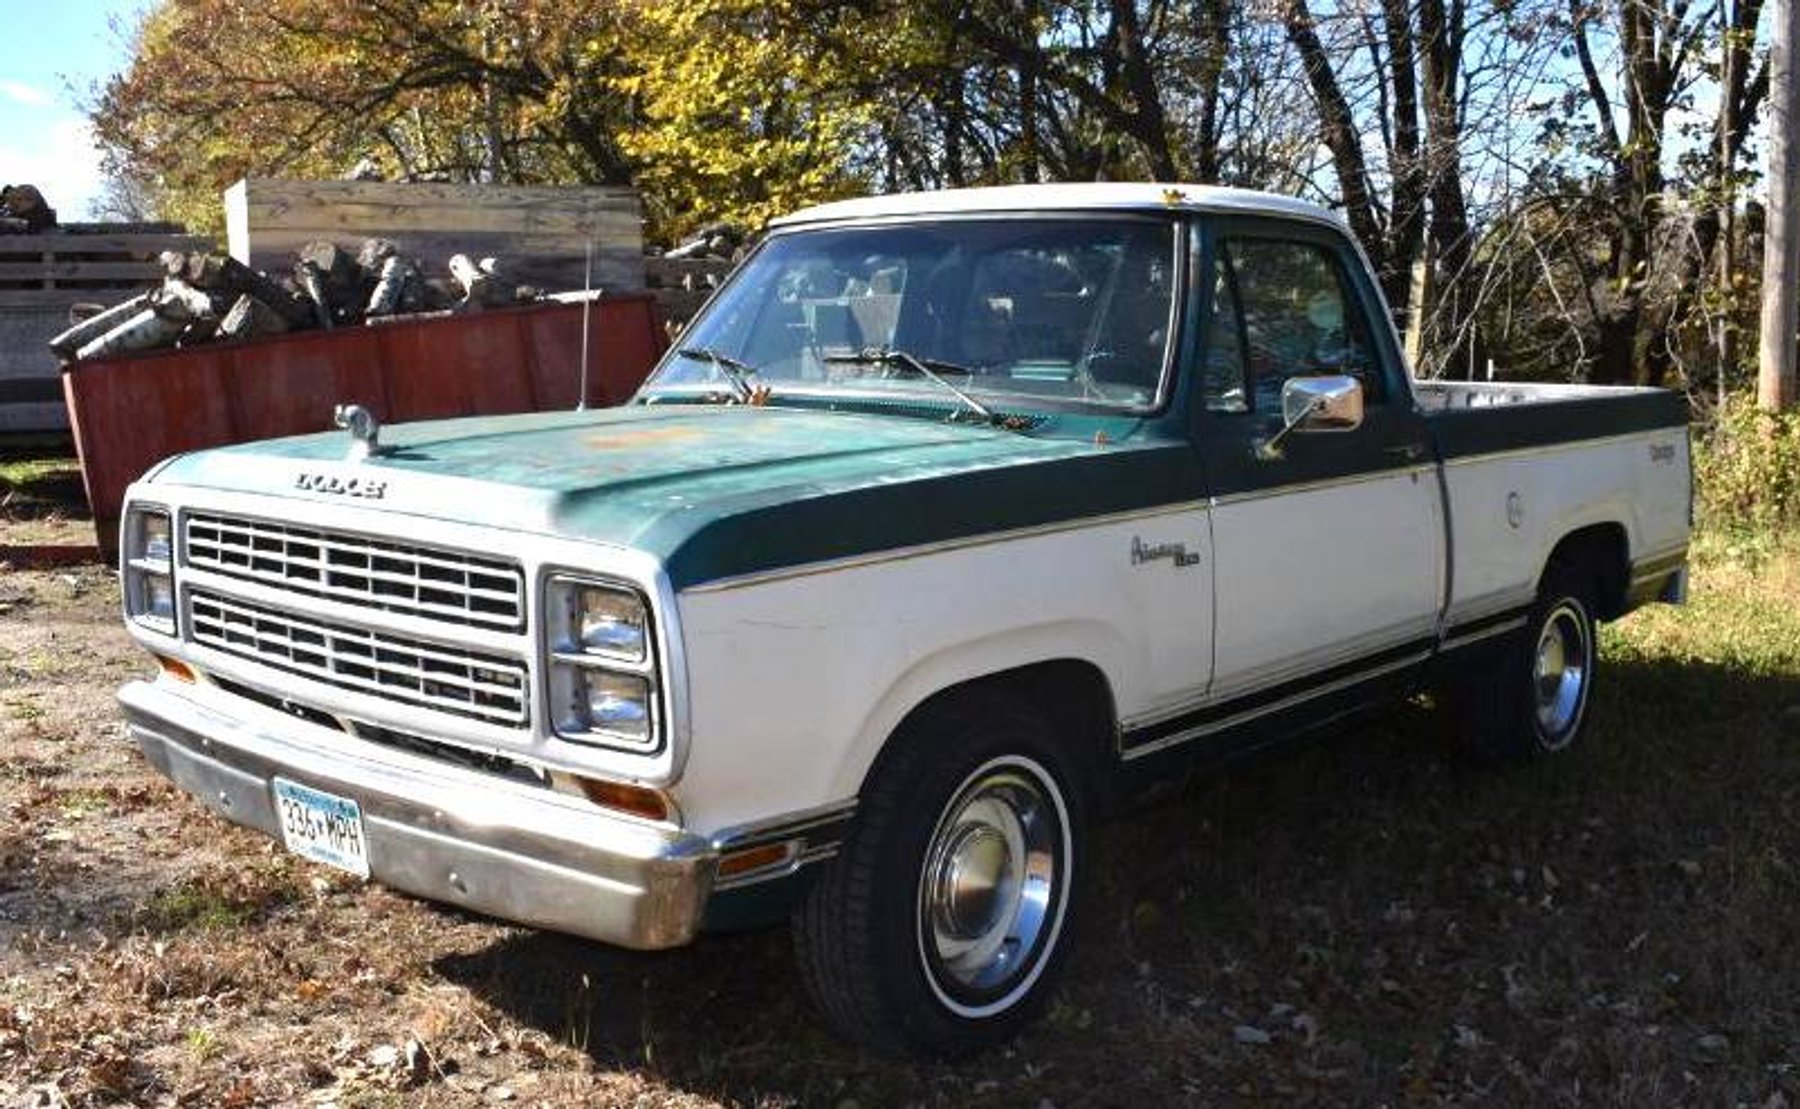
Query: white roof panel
[1113, 196]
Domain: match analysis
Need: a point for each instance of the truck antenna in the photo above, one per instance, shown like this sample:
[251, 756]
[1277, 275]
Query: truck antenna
[587, 308]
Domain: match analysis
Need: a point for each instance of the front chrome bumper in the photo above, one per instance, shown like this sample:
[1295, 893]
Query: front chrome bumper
[441, 832]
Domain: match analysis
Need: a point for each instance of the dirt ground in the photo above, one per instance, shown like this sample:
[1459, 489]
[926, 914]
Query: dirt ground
[1365, 921]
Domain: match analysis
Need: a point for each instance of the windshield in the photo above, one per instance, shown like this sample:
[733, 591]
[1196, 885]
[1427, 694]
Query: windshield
[1010, 311]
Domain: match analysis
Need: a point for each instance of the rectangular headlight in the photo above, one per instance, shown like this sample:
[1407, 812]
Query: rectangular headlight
[148, 546]
[604, 707]
[601, 653]
[600, 620]
[617, 705]
[155, 542]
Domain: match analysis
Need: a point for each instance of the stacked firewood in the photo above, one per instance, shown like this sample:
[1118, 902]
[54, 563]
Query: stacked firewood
[204, 297]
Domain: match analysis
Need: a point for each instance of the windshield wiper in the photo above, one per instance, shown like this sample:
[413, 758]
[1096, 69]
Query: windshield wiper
[925, 367]
[734, 370]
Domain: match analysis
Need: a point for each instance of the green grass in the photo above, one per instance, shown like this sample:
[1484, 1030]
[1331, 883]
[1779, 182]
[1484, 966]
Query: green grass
[18, 473]
[218, 900]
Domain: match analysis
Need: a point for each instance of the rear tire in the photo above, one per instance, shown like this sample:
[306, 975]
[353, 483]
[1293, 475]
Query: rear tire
[1529, 699]
[940, 925]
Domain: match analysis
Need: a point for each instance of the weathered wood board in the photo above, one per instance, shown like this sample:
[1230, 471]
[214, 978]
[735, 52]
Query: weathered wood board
[540, 234]
[42, 277]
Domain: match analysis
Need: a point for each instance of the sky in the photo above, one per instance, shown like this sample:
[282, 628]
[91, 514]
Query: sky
[49, 60]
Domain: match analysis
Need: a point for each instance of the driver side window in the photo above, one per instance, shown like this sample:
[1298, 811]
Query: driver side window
[1281, 309]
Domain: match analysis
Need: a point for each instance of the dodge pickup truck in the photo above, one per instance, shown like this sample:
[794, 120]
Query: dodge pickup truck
[954, 522]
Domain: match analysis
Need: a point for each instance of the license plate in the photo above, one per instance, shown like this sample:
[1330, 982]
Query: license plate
[322, 826]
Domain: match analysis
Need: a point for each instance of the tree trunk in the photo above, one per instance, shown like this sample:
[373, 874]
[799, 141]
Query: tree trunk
[1452, 242]
[1338, 130]
[1775, 382]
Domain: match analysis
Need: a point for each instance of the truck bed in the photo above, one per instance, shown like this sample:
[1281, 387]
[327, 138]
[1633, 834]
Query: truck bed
[1473, 418]
[1526, 465]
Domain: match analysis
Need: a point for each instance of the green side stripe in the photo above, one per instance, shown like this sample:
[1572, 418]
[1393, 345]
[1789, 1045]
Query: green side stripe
[1463, 432]
[914, 513]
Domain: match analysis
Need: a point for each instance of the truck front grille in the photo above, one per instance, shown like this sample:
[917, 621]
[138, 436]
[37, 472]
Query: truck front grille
[396, 668]
[396, 577]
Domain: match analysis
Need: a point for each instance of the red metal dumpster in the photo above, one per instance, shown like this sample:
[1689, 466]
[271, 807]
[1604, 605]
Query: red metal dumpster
[128, 413]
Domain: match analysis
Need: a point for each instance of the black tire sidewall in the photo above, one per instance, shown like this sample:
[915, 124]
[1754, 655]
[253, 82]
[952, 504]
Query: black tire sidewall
[1561, 588]
[944, 752]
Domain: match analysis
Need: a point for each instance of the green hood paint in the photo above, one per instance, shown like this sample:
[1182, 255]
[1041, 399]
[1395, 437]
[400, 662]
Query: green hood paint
[719, 491]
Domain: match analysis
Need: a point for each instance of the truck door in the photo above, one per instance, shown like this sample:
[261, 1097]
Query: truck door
[1329, 553]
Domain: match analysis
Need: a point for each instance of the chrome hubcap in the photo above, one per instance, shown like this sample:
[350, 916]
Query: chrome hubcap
[992, 888]
[1560, 673]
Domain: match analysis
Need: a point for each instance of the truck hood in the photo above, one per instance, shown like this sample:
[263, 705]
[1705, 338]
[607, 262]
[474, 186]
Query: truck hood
[716, 491]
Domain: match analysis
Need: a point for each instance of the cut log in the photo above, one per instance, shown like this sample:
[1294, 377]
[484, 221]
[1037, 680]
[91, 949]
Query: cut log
[342, 285]
[147, 330]
[249, 318]
[69, 342]
[312, 283]
[397, 274]
[177, 300]
[481, 288]
[374, 253]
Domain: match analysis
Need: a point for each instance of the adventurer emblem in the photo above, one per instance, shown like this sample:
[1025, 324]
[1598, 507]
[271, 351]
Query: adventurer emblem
[1142, 552]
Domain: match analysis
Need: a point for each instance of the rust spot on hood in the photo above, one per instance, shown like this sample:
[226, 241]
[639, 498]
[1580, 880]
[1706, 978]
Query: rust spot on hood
[629, 437]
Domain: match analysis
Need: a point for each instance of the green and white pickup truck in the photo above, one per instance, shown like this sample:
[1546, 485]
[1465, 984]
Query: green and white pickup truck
[955, 522]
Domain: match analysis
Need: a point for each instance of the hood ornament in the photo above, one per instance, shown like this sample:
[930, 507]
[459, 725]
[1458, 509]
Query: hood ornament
[364, 429]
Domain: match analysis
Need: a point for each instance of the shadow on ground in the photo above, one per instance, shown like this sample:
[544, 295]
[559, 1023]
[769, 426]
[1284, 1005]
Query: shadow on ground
[1364, 920]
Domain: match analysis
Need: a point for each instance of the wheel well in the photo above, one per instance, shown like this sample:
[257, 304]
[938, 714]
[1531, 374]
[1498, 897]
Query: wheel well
[1072, 695]
[1600, 550]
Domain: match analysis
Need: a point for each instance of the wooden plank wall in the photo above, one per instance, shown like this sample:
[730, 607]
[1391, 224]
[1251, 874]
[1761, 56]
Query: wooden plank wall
[539, 233]
[42, 277]
[82, 260]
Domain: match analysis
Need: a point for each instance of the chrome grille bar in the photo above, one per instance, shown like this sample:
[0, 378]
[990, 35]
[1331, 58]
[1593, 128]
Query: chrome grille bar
[395, 577]
[448, 679]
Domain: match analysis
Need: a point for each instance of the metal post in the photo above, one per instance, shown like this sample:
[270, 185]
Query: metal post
[587, 308]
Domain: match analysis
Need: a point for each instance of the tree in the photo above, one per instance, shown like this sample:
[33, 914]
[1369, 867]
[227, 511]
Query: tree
[218, 89]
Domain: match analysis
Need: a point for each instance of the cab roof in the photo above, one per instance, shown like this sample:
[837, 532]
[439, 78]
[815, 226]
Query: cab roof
[1130, 196]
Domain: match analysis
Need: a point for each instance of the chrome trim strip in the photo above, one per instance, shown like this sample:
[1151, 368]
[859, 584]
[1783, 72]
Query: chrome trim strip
[900, 554]
[786, 826]
[1298, 487]
[1501, 628]
[1285, 703]
[1483, 607]
[802, 827]
[1291, 669]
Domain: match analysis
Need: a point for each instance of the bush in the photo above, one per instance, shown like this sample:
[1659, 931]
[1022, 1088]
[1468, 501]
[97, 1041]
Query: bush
[1747, 468]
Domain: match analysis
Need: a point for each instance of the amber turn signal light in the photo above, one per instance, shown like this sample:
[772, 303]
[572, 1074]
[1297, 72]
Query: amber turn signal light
[754, 858]
[636, 800]
[176, 669]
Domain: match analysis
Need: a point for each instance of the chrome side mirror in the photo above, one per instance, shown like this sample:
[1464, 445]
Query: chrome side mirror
[1322, 403]
[1309, 404]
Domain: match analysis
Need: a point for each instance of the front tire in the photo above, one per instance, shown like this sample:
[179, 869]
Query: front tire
[940, 925]
[1530, 700]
